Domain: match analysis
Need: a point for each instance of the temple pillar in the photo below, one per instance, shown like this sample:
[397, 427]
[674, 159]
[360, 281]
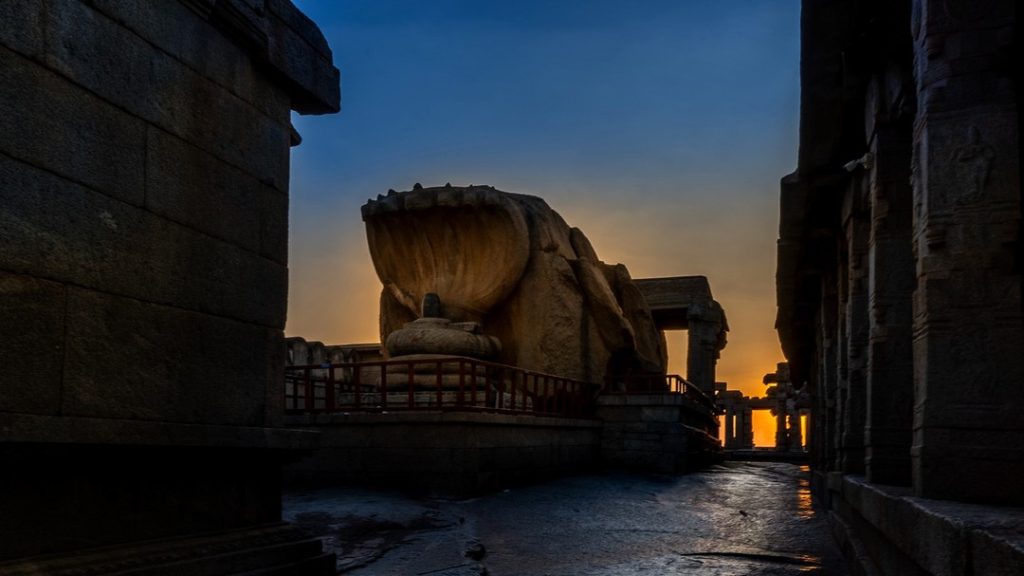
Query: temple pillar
[890, 386]
[702, 350]
[827, 373]
[796, 441]
[968, 436]
[854, 327]
[781, 436]
[746, 426]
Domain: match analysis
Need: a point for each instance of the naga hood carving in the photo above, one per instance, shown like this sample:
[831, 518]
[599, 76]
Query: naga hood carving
[508, 266]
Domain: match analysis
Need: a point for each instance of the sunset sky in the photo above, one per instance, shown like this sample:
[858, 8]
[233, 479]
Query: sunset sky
[660, 128]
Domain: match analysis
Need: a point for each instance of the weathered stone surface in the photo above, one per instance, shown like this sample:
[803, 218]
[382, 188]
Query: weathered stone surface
[31, 344]
[174, 28]
[438, 336]
[128, 359]
[685, 302]
[927, 132]
[63, 231]
[113, 63]
[510, 262]
[445, 453]
[193, 187]
[144, 152]
[188, 185]
[69, 131]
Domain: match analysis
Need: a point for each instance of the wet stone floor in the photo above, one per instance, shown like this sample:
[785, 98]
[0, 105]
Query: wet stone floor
[736, 519]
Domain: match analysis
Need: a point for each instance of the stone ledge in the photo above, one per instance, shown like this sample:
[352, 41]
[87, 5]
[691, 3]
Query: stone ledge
[941, 536]
[641, 399]
[38, 429]
[280, 35]
[236, 550]
[432, 417]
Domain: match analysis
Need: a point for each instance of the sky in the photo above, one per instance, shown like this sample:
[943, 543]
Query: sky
[660, 128]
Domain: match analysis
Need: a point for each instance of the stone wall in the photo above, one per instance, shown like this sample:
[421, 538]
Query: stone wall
[899, 276]
[663, 433]
[144, 158]
[447, 454]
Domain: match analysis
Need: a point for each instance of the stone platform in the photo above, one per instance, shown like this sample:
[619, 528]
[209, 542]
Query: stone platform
[887, 530]
[451, 454]
[270, 550]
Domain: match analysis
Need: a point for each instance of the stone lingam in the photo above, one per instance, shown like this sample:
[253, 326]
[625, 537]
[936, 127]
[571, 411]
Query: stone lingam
[480, 273]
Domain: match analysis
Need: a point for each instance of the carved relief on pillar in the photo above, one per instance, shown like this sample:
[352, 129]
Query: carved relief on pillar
[972, 164]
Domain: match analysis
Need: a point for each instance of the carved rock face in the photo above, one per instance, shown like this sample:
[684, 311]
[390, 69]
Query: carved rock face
[469, 246]
[512, 264]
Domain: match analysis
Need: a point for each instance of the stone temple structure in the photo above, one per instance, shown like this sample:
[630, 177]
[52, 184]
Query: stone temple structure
[899, 278]
[144, 167]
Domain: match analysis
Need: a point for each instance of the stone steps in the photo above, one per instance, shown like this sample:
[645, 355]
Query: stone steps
[272, 550]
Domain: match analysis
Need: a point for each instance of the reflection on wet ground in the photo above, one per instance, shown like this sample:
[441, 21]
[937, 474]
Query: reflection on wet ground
[736, 519]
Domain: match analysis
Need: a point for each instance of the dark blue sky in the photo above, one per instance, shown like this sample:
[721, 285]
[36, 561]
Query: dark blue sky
[660, 128]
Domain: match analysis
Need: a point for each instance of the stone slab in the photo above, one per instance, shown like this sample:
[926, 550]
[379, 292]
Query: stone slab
[187, 184]
[447, 453]
[31, 343]
[182, 34]
[62, 231]
[47, 429]
[130, 359]
[53, 124]
[943, 538]
[112, 62]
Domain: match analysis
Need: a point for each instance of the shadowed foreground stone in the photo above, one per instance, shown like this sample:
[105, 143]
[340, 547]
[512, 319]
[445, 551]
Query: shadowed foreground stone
[144, 166]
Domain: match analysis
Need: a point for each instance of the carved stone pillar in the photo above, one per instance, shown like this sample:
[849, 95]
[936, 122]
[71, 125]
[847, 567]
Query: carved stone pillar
[704, 342]
[796, 442]
[746, 425]
[828, 362]
[781, 435]
[857, 229]
[890, 386]
[968, 440]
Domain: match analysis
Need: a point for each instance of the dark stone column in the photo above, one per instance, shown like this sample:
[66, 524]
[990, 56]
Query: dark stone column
[704, 342]
[968, 440]
[891, 284]
[858, 228]
[828, 386]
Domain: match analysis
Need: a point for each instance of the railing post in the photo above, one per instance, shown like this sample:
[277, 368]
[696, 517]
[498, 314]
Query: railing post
[309, 389]
[329, 394]
[383, 386]
[356, 386]
[512, 383]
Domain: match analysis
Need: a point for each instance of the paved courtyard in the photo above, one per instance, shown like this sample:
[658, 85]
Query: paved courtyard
[737, 519]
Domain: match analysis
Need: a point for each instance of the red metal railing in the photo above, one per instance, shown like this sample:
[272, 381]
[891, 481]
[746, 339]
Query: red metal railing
[655, 383]
[450, 383]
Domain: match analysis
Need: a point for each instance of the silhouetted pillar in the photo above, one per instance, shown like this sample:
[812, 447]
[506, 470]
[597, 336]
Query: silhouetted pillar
[796, 442]
[730, 440]
[890, 376]
[746, 426]
[705, 340]
[969, 366]
[828, 388]
[781, 437]
[854, 337]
